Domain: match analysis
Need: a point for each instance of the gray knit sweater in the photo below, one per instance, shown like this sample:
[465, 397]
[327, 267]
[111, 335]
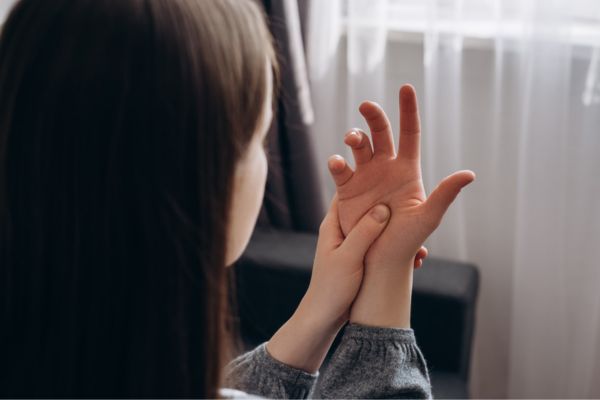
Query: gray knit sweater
[369, 362]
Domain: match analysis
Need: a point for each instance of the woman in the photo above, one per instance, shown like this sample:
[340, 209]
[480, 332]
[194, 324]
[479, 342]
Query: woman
[131, 174]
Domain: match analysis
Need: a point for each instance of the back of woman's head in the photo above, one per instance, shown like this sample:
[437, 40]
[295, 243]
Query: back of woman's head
[121, 122]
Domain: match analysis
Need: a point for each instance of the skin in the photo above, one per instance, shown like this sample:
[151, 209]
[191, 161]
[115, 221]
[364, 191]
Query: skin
[384, 176]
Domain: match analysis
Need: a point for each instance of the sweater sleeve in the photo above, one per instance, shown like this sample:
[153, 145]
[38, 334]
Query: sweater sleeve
[373, 362]
[257, 373]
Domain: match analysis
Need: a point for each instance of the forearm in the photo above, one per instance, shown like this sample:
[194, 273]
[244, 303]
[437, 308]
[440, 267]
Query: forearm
[304, 340]
[385, 296]
[286, 366]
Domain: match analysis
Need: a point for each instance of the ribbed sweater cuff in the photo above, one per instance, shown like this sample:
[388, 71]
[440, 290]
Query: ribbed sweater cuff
[283, 371]
[401, 335]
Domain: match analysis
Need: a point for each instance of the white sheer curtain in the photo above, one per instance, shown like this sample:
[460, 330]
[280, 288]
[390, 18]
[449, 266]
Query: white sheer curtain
[510, 89]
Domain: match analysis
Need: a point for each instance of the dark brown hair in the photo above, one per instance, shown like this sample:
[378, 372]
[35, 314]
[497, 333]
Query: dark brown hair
[121, 123]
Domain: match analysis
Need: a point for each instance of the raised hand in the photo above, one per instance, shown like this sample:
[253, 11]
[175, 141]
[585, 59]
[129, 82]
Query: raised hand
[382, 176]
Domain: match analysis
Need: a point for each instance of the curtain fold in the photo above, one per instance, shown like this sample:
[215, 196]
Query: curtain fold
[509, 89]
[293, 198]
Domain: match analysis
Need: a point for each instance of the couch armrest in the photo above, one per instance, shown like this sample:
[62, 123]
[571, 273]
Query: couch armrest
[443, 315]
[274, 273]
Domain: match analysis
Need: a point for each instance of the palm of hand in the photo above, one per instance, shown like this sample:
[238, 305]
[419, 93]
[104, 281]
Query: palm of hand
[386, 181]
[382, 176]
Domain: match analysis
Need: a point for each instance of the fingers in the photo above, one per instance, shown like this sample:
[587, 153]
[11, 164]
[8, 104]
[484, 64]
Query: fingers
[339, 170]
[381, 130]
[364, 233]
[361, 146]
[410, 124]
[421, 255]
[422, 252]
[444, 194]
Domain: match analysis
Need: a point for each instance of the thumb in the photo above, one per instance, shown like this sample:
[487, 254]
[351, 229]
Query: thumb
[368, 228]
[444, 194]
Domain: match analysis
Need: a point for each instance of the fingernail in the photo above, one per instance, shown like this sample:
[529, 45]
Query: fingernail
[354, 134]
[380, 213]
[336, 163]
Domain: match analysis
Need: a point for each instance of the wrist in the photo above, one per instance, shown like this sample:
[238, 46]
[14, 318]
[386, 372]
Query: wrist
[385, 296]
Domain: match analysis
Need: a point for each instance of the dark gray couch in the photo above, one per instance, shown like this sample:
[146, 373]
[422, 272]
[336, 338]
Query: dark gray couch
[274, 272]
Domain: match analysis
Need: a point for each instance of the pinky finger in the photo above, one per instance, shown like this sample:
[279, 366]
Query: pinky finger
[422, 252]
[421, 255]
[339, 170]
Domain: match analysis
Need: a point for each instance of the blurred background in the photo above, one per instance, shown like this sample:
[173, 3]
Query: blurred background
[511, 90]
[508, 303]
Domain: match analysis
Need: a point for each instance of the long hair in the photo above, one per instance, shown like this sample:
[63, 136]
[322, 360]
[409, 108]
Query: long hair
[121, 123]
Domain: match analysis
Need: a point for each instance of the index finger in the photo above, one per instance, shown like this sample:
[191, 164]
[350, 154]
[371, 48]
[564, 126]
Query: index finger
[410, 124]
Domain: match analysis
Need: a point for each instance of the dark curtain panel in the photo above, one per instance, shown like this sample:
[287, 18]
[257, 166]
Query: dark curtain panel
[293, 199]
[303, 7]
